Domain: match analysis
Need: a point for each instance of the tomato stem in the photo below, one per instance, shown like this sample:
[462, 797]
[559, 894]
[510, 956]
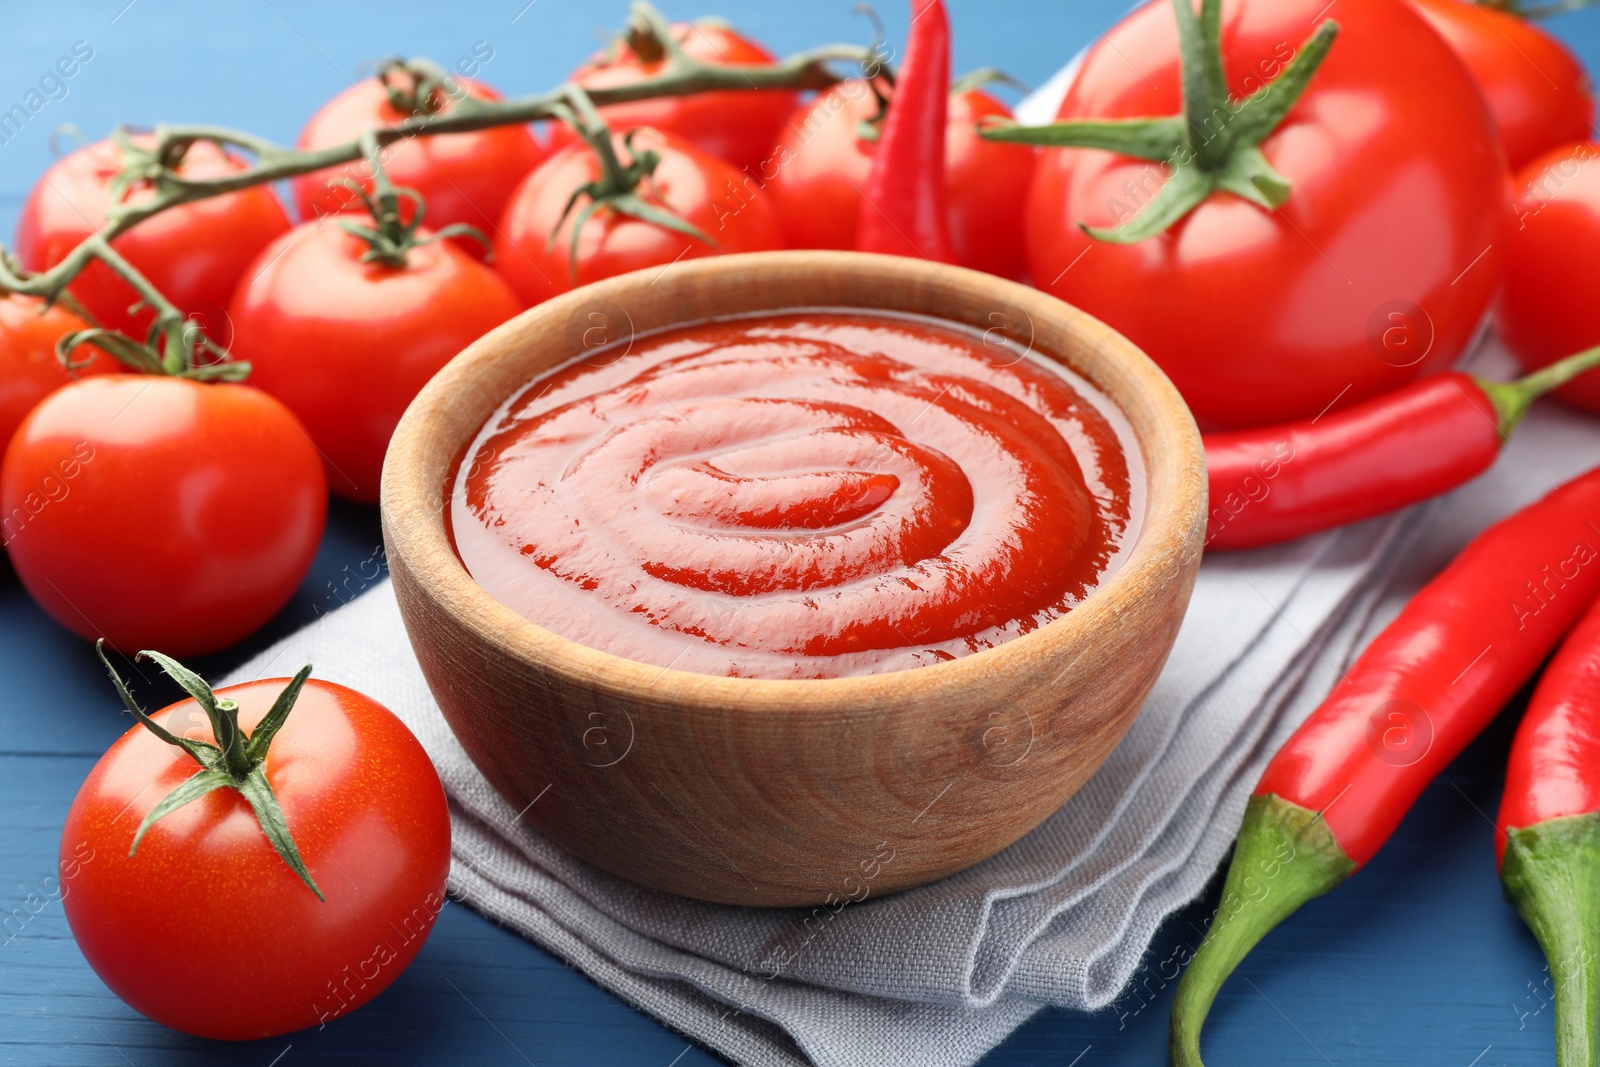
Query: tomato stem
[1213, 146]
[650, 37]
[977, 79]
[618, 184]
[231, 760]
[1513, 399]
[390, 237]
[681, 75]
[179, 338]
[421, 85]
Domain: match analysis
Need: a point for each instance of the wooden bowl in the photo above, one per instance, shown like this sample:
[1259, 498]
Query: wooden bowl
[788, 792]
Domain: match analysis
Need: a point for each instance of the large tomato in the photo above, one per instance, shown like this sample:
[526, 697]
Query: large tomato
[1536, 88]
[206, 929]
[29, 369]
[194, 254]
[820, 164]
[161, 512]
[346, 345]
[464, 178]
[723, 203]
[1549, 306]
[1377, 269]
[736, 126]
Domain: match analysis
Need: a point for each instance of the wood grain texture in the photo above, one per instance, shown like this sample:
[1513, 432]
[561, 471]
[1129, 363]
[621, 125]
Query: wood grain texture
[789, 792]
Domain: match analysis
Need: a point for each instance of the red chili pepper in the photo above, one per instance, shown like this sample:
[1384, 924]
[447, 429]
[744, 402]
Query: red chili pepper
[903, 206]
[1549, 839]
[1424, 688]
[1277, 483]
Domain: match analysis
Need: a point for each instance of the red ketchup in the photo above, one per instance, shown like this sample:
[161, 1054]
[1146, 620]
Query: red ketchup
[806, 495]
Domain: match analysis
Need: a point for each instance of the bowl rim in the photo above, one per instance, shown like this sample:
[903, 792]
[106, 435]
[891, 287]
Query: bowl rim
[415, 533]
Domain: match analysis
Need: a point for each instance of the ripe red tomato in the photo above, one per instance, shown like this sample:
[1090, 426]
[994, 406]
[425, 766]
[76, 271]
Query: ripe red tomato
[29, 369]
[161, 512]
[463, 177]
[1536, 88]
[194, 254]
[346, 345]
[736, 126]
[206, 890]
[722, 202]
[819, 166]
[1376, 271]
[1549, 306]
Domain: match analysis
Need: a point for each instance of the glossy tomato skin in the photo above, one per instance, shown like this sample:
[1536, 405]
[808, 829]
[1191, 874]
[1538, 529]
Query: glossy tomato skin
[819, 166]
[29, 369]
[194, 254]
[1549, 306]
[463, 177]
[159, 512]
[724, 203]
[346, 345]
[1377, 270]
[1535, 87]
[206, 929]
[737, 127]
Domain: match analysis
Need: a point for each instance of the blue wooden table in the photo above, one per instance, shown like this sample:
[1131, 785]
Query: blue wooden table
[1416, 961]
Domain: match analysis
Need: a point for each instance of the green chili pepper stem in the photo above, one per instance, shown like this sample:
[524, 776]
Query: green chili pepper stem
[1513, 399]
[1551, 874]
[1285, 856]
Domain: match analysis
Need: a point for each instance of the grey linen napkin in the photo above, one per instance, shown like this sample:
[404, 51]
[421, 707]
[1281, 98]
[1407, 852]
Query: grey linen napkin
[939, 975]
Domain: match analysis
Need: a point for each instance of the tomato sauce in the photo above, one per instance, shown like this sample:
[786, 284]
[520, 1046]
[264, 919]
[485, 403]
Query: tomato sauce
[806, 495]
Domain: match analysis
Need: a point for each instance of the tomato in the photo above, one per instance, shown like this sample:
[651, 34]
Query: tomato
[194, 254]
[736, 126]
[1549, 306]
[346, 345]
[724, 203]
[161, 512]
[464, 178]
[820, 165]
[206, 929]
[1536, 88]
[1376, 271]
[29, 369]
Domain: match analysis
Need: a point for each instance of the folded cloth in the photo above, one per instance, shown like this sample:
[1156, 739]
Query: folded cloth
[937, 976]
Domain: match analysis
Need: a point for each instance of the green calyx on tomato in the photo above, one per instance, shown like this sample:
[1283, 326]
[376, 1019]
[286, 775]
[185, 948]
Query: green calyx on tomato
[233, 761]
[397, 213]
[144, 358]
[871, 129]
[140, 164]
[1213, 146]
[618, 184]
[173, 341]
[180, 339]
[977, 79]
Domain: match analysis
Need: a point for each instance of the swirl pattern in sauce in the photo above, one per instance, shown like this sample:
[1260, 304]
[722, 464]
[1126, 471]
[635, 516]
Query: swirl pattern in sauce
[805, 495]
